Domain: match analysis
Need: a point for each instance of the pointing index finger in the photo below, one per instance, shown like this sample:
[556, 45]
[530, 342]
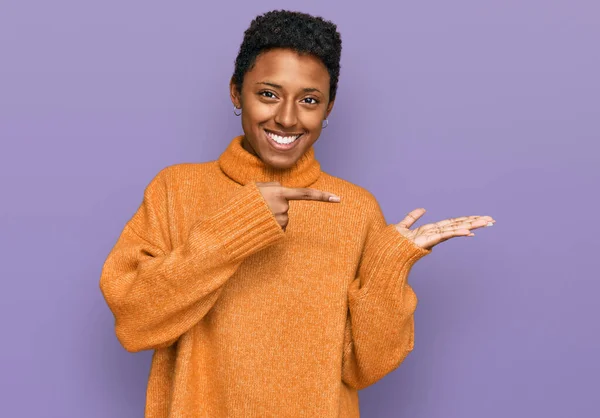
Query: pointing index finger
[305, 193]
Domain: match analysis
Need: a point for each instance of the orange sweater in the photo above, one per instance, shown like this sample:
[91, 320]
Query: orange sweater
[247, 320]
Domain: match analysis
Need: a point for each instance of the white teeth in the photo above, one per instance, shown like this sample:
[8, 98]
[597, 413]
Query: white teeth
[282, 139]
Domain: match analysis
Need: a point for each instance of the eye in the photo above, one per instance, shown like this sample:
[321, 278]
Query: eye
[314, 101]
[267, 94]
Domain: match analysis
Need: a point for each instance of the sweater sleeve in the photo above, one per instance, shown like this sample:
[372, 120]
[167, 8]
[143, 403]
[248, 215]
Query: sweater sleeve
[379, 330]
[157, 293]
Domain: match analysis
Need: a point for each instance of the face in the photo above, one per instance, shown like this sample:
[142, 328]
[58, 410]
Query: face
[284, 100]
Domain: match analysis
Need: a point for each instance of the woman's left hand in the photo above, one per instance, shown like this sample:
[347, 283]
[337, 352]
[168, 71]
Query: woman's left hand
[429, 235]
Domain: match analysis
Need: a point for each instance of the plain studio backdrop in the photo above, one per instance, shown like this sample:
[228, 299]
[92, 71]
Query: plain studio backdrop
[462, 107]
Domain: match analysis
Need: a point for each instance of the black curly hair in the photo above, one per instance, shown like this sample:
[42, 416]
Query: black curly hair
[298, 31]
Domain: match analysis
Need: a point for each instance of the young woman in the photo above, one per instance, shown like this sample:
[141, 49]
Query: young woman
[265, 286]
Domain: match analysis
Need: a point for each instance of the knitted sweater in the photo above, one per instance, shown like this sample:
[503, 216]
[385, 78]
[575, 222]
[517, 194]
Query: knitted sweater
[246, 319]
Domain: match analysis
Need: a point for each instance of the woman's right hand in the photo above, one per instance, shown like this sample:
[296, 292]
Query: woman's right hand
[277, 198]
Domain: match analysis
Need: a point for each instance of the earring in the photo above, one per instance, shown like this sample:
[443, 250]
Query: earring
[234, 109]
[326, 124]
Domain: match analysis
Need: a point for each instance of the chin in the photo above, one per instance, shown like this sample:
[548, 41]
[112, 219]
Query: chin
[279, 162]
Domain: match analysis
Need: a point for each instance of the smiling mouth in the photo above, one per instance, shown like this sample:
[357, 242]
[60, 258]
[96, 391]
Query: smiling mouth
[283, 140]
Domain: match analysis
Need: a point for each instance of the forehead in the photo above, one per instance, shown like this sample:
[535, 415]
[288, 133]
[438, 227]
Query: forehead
[287, 67]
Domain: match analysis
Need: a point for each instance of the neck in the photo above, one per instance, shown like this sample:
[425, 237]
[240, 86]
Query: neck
[246, 145]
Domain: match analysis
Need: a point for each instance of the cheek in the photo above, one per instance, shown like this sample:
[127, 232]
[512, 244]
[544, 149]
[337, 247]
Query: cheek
[312, 121]
[258, 112]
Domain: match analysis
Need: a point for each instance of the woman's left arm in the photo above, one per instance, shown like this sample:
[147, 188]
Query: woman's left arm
[380, 326]
[379, 330]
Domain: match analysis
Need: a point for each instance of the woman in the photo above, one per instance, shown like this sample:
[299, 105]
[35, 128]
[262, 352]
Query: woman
[265, 286]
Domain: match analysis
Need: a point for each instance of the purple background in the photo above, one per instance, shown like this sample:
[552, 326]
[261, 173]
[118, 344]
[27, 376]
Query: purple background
[462, 107]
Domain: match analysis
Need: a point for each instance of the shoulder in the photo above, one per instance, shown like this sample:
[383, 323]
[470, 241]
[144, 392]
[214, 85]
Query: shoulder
[180, 173]
[174, 179]
[186, 170]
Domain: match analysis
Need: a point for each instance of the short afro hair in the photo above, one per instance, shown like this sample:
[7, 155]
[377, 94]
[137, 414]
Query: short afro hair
[297, 31]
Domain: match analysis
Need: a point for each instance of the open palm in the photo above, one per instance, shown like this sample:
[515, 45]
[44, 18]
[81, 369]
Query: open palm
[429, 235]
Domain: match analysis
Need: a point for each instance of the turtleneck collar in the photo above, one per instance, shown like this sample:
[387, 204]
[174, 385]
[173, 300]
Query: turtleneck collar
[244, 167]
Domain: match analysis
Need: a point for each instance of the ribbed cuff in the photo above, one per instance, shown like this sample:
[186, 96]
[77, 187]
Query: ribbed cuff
[388, 260]
[244, 225]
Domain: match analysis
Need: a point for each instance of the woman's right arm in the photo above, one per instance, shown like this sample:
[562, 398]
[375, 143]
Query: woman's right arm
[155, 292]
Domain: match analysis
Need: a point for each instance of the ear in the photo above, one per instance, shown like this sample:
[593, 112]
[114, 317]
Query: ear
[329, 108]
[236, 98]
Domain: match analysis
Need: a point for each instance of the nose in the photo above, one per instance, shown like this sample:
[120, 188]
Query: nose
[286, 114]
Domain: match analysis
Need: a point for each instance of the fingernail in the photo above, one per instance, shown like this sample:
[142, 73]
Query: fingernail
[334, 199]
[490, 224]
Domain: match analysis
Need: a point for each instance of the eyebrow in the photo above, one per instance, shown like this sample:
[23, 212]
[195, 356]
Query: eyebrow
[277, 86]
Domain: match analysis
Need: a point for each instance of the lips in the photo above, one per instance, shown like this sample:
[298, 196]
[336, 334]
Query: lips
[282, 135]
[271, 136]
